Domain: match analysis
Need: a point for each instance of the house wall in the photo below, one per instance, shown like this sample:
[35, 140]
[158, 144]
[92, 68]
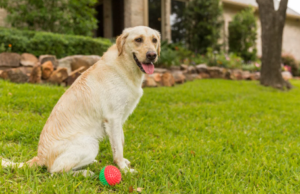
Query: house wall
[291, 35]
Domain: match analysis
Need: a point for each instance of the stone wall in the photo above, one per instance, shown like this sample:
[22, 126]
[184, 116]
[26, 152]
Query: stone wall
[3, 15]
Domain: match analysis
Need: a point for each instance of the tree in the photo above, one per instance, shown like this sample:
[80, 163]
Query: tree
[242, 34]
[59, 16]
[272, 24]
[202, 22]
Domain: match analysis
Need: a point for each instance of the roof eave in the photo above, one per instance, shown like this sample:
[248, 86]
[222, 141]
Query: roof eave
[290, 16]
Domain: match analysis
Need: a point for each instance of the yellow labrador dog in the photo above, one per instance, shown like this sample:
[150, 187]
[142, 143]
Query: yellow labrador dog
[98, 104]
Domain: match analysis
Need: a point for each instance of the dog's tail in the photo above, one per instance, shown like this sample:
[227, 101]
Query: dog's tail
[7, 163]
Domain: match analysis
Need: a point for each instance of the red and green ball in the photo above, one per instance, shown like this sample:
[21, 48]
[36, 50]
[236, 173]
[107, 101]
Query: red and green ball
[110, 175]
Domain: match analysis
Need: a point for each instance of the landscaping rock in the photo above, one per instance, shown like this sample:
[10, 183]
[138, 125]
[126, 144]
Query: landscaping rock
[204, 75]
[36, 74]
[237, 74]
[192, 77]
[216, 72]
[174, 68]
[246, 75]
[192, 69]
[28, 60]
[52, 58]
[179, 77]
[184, 67]
[58, 76]
[149, 81]
[78, 63]
[10, 60]
[255, 76]
[157, 77]
[286, 75]
[72, 63]
[202, 68]
[229, 75]
[73, 76]
[160, 70]
[17, 75]
[167, 79]
[47, 69]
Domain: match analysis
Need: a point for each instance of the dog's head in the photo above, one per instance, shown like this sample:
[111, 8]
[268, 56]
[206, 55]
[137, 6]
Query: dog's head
[142, 44]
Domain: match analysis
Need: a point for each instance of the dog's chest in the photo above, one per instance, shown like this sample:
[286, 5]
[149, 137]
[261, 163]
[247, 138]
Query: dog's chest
[132, 99]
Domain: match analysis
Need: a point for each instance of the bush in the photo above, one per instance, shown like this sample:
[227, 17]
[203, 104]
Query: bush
[168, 56]
[39, 43]
[202, 23]
[59, 16]
[242, 35]
[289, 60]
[253, 67]
[231, 61]
[176, 54]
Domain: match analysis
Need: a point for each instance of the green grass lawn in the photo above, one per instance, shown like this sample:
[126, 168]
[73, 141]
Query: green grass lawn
[206, 136]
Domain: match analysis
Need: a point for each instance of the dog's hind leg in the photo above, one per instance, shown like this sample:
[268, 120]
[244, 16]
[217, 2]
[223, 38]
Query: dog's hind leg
[79, 153]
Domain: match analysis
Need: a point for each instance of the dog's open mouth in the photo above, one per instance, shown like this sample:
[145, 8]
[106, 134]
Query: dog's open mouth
[144, 67]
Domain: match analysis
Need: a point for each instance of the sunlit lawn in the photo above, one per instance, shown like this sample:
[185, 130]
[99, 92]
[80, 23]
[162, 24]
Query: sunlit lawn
[206, 136]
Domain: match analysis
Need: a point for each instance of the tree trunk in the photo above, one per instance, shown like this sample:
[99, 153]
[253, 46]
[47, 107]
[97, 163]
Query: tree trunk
[272, 24]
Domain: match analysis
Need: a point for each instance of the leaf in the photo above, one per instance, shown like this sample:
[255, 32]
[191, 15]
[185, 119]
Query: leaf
[130, 189]
[139, 189]
[193, 153]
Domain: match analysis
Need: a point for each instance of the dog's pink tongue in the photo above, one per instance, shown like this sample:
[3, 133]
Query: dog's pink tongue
[149, 68]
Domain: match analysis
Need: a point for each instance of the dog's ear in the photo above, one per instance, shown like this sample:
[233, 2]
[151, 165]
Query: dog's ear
[121, 40]
[159, 42]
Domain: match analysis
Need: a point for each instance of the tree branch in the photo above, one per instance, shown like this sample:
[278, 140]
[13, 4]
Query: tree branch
[266, 2]
[283, 6]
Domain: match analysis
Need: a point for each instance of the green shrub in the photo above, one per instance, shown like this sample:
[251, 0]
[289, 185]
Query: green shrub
[231, 61]
[289, 60]
[176, 54]
[168, 56]
[242, 35]
[202, 24]
[58, 16]
[39, 43]
[253, 67]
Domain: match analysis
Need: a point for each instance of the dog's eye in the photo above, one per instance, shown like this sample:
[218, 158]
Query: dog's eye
[154, 40]
[139, 40]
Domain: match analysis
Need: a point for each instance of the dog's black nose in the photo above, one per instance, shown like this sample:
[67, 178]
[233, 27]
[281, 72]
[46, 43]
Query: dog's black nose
[151, 55]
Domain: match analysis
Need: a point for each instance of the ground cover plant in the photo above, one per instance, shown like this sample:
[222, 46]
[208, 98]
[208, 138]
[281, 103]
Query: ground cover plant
[206, 136]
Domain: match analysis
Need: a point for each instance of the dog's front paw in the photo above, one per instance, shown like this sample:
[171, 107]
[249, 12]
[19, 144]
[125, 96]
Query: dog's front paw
[126, 162]
[130, 170]
[124, 165]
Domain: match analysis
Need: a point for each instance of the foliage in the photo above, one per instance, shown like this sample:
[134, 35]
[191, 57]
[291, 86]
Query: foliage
[205, 136]
[178, 29]
[252, 67]
[59, 16]
[202, 22]
[243, 34]
[168, 56]
[231, 61]
[289, 60]
[176, 54]
[39, 43]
